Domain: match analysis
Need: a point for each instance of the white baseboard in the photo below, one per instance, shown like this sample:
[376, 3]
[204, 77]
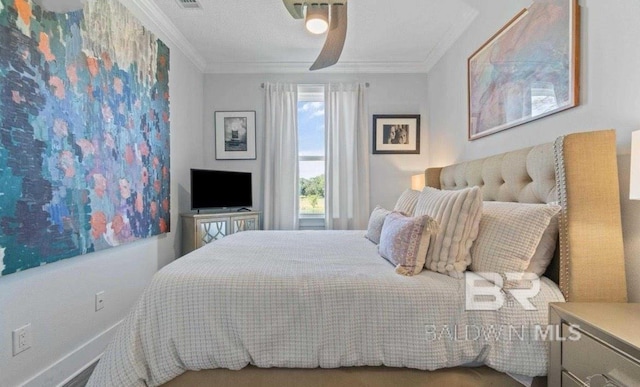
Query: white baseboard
[74, 362]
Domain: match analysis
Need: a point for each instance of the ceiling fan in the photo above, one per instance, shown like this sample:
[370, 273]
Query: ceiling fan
[321, 16]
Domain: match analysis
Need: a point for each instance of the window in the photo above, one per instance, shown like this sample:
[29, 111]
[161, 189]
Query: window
[311, 150]
[543, 98]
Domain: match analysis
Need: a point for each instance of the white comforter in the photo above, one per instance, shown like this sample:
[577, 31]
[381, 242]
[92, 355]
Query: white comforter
[310, 299]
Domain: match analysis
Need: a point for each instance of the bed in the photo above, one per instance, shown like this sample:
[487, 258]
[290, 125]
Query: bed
[228, 315]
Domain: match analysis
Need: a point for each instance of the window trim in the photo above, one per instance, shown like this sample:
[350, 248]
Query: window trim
[311, 93]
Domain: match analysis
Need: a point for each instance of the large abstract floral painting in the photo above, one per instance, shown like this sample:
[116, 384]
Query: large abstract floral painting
[528, 70]
[84, 132]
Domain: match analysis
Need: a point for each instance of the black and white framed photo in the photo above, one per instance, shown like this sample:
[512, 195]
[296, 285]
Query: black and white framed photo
[396, 133]
[235, 135]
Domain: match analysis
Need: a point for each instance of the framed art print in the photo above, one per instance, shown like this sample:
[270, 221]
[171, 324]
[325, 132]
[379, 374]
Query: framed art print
[85, 156]
[235, 135]
[527, 70]
[396, 133]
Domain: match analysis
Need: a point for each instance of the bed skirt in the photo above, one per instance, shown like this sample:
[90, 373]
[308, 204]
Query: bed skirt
[348, 376]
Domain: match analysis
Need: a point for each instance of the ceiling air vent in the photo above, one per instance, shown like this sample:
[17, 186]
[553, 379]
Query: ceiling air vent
[189, 4]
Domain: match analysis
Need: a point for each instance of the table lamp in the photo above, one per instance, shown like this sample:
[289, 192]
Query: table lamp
[417, 181]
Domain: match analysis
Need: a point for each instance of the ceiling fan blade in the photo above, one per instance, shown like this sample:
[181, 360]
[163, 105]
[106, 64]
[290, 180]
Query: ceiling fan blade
[336, 36]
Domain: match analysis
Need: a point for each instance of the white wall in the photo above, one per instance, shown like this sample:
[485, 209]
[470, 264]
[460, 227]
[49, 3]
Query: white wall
[610, 98]
[388, 94]
[58, 298]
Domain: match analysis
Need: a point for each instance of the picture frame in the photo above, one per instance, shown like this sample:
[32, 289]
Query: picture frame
[396, 134]
[235, 135]
[528, 70]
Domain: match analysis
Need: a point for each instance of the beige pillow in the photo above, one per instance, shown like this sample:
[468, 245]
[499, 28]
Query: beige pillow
[509, 236]
[404, 241]
[376, 220]
[458, 214]
[546, 249]
[407, 202]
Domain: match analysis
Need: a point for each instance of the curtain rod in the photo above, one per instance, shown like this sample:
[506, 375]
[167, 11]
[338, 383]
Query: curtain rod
[366, 85]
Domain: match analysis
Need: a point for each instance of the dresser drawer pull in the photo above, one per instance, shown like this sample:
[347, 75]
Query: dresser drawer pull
[600, 380]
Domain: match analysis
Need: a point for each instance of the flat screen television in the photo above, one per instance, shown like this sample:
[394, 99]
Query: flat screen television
[220, 189]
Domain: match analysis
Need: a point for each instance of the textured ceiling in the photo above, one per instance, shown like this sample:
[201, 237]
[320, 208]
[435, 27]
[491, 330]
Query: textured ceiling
[236, 36]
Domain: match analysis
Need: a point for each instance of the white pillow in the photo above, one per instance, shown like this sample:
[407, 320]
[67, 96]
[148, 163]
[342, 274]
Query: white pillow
[407, 202]
[509, 236]
[458, 214]
[376, 220]
[404, 241]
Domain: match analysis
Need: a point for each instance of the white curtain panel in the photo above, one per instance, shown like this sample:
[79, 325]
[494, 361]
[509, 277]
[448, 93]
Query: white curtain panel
[281, 157]
[347, 159]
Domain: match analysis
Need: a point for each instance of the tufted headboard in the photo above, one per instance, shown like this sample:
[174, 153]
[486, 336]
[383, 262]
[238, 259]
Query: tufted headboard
[578, 171]
[526, 176]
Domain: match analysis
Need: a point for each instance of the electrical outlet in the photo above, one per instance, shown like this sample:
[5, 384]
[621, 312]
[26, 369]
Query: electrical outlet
[21, 339]
[99, 300]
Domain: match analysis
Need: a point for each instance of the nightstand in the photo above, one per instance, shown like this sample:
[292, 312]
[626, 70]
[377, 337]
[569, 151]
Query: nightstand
[599, 344]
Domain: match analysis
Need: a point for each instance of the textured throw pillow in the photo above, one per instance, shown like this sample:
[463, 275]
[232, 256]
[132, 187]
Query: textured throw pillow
[407, 202]
[404, 241]
[509, 236]
[376, 220]
[545, 250]
[458, 214]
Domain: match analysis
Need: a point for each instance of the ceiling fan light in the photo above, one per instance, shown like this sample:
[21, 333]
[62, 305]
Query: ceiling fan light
[317, 18]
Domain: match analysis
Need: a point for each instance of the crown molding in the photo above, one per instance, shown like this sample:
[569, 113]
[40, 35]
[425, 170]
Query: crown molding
[423, 67]
[450, 37]
[170, 32]
[303, 67]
